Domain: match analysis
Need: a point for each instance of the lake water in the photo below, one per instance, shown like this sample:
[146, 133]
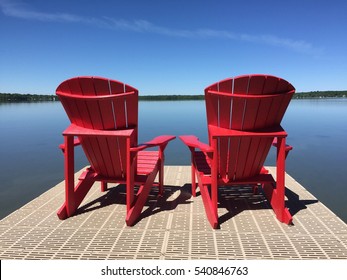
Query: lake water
[31, 163]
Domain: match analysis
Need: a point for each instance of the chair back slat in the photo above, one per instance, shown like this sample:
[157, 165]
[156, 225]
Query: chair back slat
[240, 85]
[212, 105]
[223, 162]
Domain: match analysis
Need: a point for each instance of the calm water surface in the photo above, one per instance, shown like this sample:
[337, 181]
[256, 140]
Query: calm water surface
[31, 163]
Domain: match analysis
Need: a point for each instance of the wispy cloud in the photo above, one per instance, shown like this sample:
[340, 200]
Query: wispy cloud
[23, 11]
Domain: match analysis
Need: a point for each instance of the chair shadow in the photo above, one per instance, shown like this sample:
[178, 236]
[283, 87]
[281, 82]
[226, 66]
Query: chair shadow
[295, 204]
[242, 198]
[155, 203]
[234, 199]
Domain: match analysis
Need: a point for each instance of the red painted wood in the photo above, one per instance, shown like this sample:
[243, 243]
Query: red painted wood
[250, 114]
[256, 84]
[243, 116]
[193, 141]
[211, 211]
[104, 117]
[263, 113]
[211, 105]
[234, 155]
[271, 85]
[116, 161]
[69, 174]
[141, 198]
[223, 149]
[241, 84]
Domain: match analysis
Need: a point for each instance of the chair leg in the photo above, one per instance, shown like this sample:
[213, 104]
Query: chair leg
[276, 199]
[210, 206]
[161, 178]
[75, 196]
[103, 186]
[282, 213]
[69, 170]
[139, 201]
[276, 196]
[193, 181]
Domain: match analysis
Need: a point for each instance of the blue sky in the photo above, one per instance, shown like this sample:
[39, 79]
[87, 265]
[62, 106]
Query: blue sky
[172, 47]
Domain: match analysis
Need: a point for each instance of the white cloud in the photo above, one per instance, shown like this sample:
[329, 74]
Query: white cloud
[22, 11]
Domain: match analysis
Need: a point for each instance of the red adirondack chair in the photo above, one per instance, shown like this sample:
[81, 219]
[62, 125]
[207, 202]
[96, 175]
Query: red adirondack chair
[243, 115]
[104, 119]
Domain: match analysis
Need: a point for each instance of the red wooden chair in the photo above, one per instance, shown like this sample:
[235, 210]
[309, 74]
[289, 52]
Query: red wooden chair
[244, 115]
[104, 118]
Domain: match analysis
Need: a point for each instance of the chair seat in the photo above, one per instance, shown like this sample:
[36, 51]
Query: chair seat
[146, 162]
[204, 164]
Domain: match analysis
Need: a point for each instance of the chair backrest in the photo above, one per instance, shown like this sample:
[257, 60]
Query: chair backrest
[102, 104]
[246, 103]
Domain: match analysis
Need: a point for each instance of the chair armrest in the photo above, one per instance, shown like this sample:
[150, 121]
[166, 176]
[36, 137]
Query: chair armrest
[160, 141]
[193, 142]
[74, 130]
[216, 131]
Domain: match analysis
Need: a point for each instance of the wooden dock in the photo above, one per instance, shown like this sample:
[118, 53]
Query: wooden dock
[174, 227]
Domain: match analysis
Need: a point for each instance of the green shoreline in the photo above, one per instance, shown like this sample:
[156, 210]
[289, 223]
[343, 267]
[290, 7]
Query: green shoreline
[17, 97]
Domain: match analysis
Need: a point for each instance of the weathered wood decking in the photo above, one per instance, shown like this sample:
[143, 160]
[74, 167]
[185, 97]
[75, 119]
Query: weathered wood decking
[174, 227]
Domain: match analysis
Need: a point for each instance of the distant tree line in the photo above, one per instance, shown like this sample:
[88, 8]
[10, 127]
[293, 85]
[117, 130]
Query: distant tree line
[170, 97]
[16, 97]
[321, 94]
